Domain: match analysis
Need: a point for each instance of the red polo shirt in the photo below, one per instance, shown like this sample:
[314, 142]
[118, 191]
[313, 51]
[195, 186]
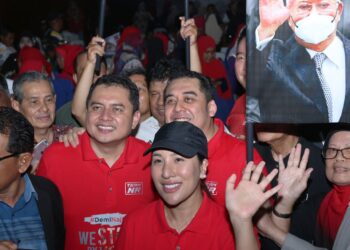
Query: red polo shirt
[227, 155]
[95, 196]
[147, 228]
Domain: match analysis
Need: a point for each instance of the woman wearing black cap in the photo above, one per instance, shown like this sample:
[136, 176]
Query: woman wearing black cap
[185, 217]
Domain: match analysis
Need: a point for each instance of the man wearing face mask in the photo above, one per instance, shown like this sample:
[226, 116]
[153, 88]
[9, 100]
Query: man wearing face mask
[303, 79]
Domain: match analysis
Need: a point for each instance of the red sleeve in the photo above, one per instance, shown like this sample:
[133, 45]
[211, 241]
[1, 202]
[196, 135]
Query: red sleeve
[122, 242]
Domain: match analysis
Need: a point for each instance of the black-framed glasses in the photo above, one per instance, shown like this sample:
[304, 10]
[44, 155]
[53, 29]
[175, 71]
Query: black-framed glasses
[8, 156]
[331, 153]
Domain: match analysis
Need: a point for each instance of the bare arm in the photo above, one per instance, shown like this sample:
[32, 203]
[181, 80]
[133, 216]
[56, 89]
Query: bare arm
[95, 47]
[244, 201]
[189, 29]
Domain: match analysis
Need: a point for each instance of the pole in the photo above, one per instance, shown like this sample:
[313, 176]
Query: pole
[187, 16]
[100, 30]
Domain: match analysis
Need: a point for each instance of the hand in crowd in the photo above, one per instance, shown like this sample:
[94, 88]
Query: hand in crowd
[294, 177]
[273, 13]
[7, 245]
[244, 201]
[95, 47]
[71, 137]
[188, 29]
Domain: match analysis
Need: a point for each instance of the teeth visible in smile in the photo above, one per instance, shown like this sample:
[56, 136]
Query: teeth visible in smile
[105, 127]
[169, 186]
[182, 119]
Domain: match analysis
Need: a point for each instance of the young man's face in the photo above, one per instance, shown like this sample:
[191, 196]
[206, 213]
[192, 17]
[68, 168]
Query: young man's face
[156, 93]
[141, 83]
[110, 116]
[38, 104]
[184, 101]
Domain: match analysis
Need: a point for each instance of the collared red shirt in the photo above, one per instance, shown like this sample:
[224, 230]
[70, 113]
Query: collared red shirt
[147, 228]
[96, 197]
[22, 223]
[226, 155]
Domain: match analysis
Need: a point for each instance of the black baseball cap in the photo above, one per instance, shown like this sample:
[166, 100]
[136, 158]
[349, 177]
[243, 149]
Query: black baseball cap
[182, 138]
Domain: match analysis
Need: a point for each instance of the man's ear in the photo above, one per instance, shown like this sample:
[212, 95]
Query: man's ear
[212, 108]
[24, 161]
[15, 104]
[136, 119]
[75, 78]
[204, 167]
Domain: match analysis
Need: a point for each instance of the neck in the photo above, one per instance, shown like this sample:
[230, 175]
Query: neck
[283, 146]
[180, 216]
[317, 47]
[43, 133]
[110, 152]
[10, 195]
[211, 129]
[145, 116]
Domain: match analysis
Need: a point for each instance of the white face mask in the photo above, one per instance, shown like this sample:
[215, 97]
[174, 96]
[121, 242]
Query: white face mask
[315, 28]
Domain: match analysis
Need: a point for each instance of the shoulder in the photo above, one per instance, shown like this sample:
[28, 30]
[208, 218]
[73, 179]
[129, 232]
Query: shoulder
[42, 184]
[143, 214]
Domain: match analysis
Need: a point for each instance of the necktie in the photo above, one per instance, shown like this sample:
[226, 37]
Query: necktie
[319, 59]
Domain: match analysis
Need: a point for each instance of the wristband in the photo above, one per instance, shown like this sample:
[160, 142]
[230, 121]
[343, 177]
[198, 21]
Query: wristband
[283, 216]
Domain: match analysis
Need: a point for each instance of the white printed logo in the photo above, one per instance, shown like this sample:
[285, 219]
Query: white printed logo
[112, 220]
[212, 187]
[133, 188]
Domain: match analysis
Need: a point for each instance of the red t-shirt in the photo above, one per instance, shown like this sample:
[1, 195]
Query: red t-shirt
[95, 196]
[147, 228]
[236, 120]
[227, 155]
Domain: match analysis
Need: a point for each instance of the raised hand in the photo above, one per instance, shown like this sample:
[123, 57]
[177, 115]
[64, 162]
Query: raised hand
[244, 201]
[273, 13]
[95, 47]
[294, 177]
[188, 29]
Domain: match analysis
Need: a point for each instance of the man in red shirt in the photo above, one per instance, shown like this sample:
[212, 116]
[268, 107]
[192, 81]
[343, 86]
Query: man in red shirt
[105, 176]
[188, 98]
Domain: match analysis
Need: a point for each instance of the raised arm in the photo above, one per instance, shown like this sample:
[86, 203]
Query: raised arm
[244, 201]
[189, 29]
[95, 47]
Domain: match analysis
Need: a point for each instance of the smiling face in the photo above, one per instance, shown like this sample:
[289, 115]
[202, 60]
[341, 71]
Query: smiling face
[184, 101]
[110, 116]
[338, 169]
[38, 104]
[176, 178]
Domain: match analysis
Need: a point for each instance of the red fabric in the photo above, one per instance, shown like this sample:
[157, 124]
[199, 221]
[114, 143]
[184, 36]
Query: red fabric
[31, 58]
[96, 196]
[237, 118]
[69, 53]
[214, 69]
[332, 210]
[227, 155]
[130, 35]
[200, 22]
[147, 228]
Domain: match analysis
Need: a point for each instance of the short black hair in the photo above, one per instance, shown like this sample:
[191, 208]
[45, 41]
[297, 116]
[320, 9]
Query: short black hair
[133, 71]
[205, 85]
[164, 68]
[117, 81]
[340, 128]
[18, 129]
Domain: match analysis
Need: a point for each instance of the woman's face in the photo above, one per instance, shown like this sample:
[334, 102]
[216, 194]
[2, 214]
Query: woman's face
[338, 169]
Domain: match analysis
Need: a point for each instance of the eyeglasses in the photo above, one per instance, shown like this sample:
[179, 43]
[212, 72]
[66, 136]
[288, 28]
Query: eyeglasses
[8, 156]
[331, 153]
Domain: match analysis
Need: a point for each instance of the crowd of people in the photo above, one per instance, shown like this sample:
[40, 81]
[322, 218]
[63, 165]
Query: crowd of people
[144, 153]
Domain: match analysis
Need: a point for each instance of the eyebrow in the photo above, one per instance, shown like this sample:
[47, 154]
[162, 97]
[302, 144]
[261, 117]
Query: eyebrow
[184, 93]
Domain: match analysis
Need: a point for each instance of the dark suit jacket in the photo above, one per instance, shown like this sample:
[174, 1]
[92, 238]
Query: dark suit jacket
[286, 85]
[51, 212]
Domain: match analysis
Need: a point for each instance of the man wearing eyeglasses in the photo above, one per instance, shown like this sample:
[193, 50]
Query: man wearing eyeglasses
[31, 210]
[303, 79]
